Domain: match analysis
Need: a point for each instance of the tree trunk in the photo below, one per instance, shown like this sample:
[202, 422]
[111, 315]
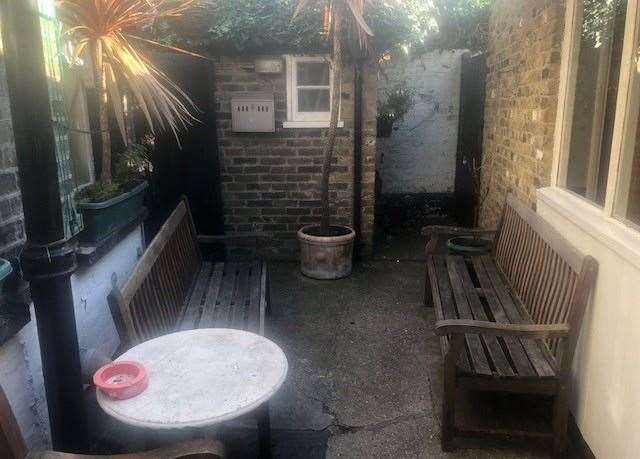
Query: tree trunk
[103, 119]
[336, 65]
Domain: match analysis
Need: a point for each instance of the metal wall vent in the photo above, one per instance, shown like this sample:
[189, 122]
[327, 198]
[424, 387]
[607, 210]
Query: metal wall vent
[253, 112]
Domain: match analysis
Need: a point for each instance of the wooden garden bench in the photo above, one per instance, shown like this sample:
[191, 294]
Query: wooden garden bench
[509, 321]
[172, 288]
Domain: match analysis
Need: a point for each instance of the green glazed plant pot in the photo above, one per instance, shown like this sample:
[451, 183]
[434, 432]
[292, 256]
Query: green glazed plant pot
[469, 245]
[5, 270]
[101, 219]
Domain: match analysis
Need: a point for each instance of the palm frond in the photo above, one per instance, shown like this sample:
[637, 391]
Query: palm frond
[107, 29]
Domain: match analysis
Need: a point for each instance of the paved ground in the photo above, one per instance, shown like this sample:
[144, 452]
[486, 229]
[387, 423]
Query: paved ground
[364, 377]
[364, 366]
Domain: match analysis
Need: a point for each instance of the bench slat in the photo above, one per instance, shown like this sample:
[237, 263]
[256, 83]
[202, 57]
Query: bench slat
[445, 302]
[474, 342]
[223, 308]
[500, 360]
[516, 352]
[532, 347]
[212, 295]
[193, 310]
[255, 311]
[240, 300]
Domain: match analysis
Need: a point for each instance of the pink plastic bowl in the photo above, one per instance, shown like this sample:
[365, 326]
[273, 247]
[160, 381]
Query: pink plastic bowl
[121, 380]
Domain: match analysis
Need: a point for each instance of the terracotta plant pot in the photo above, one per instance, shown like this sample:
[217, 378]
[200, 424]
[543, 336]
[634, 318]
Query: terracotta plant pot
[326, 257]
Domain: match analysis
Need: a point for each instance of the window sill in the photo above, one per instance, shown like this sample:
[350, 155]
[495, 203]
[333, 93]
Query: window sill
[613, 234]
[308, 124]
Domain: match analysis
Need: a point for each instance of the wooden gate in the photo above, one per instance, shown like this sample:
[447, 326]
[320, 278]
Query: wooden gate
[192, 169]
[470, 136]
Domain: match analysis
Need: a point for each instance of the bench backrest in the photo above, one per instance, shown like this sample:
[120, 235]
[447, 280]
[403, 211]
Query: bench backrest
[151, 301]
[552, 279]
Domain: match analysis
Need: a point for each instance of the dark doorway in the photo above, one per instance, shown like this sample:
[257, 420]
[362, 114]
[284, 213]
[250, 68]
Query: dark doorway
[192, 168]
[470, 137]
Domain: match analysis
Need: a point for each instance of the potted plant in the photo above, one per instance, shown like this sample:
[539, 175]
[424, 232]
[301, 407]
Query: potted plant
[105, 34]
[105, 208]
[327, 250]
[398, 102]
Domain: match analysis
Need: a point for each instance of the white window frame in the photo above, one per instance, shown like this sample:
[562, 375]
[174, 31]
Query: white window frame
[80, 142]
[622, 130]
[602, 223]
[295, 118]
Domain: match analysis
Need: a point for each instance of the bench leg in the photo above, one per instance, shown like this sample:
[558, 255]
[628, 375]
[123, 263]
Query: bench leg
[428, 293]
[560, 421]
[456, 343]
[264, 431]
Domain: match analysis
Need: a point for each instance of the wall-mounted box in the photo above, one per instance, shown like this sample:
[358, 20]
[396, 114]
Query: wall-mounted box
[253, 112]
[269, 65]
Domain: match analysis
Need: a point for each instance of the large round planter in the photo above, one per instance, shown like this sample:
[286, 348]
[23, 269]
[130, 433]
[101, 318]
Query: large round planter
[326, 257]
[469, 245]
[101, 219]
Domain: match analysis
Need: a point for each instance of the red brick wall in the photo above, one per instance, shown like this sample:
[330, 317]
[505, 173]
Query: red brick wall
[270, 180]
[525, 40]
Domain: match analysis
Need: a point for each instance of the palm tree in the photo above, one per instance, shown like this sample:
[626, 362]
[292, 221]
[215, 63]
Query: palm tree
[344, 24]
[103, 33]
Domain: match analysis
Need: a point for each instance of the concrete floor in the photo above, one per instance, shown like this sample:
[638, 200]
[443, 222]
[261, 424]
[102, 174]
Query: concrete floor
[365, 368]
[364, 377]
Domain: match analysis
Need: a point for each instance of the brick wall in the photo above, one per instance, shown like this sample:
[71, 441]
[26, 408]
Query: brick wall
[270, 180]
[525, 40]
[11, 219]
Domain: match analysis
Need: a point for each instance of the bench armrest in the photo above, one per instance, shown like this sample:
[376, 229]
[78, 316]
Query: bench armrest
[478, 327]
[216, 239]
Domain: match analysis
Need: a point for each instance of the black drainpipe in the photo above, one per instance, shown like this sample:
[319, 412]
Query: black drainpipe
[357, 155]
[48, 259]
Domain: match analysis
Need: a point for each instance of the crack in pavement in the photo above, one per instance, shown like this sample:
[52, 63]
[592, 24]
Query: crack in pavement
[336, 428]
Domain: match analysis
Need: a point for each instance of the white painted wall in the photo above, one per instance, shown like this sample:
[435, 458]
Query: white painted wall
[420, 157]
[20, 363]
[606, 373]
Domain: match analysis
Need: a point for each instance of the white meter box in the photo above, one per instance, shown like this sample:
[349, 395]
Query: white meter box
[253, 112]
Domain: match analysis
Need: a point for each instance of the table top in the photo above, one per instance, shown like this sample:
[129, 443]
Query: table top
[199, 378]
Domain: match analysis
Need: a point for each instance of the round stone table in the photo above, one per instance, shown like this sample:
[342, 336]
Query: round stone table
[199, 378]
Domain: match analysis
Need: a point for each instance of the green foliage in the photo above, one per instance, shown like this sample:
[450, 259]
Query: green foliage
[259, 26]
[598, 23]
[398, 102]
[131, 168]
[133, 165]
[461, 24]
[99, 192]
[251, 25]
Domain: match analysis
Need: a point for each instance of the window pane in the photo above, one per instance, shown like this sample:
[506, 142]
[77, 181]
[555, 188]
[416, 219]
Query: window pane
[313, 100]
[633, 193]
[313, 74]
[599, 60]
[627, 204]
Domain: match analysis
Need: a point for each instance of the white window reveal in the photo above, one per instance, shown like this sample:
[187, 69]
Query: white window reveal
[309, 91]
[597, 145]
